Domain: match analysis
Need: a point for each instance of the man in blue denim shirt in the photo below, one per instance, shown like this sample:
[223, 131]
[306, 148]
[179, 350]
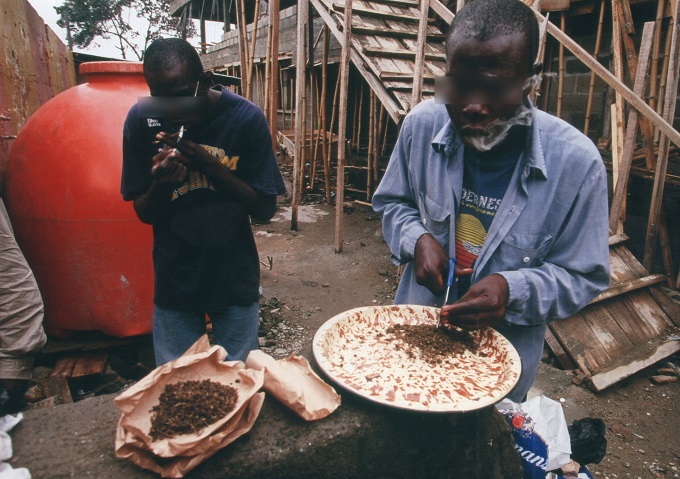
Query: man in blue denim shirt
[542, 251]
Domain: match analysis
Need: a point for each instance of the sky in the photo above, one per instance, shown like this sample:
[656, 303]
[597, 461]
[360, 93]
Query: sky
[107, 48]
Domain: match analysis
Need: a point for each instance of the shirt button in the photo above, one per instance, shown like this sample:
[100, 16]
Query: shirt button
[526, 259]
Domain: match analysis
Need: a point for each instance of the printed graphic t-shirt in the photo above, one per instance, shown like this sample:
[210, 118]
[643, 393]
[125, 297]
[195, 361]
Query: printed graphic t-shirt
[205, 257]
[485, 179]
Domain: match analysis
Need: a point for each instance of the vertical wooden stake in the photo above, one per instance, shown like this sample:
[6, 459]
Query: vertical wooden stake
[324, 88]
[617, 127]
[371, 145]
[268, 72]
[300, 63]
[624, 147]
[274, 14]
[560, 79]
[548, 80]
[664, 144]
[336, 94]
[253, 44]
[417, 92]
[360, 114]
[591, 89]
[617, 60]
[664, 72]
[376, 163]
[242, 41]
[342, 126]
[656, 50]
[284, 99]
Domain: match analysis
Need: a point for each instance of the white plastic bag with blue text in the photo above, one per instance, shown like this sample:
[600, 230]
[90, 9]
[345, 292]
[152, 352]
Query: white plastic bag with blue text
[540, 431]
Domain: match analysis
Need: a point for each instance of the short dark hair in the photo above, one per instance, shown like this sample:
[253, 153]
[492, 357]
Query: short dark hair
[484, 19]
[164, 53]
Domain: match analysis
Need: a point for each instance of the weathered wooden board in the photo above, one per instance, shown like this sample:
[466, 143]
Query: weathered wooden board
[35, 66]
[631, 329]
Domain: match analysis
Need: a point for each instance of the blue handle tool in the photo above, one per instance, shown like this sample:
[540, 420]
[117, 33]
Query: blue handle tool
[449, 282]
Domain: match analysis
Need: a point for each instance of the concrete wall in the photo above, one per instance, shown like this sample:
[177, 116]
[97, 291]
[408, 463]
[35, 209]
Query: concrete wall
[35, 66]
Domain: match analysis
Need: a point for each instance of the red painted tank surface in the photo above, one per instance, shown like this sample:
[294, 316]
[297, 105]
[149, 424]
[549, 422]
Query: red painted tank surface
[90, 254]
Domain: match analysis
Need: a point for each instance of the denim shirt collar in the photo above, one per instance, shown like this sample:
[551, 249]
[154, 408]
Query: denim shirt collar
[447, 140]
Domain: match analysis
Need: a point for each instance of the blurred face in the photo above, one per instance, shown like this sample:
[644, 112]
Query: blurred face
[179, 92]
[485, 86]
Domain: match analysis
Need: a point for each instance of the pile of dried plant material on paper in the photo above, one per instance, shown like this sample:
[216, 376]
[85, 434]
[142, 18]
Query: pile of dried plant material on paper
[186, 407]
[430, 343]
[172, 450]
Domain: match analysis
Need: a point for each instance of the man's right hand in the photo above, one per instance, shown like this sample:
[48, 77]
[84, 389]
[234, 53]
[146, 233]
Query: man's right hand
[432, 264]
[167, 168]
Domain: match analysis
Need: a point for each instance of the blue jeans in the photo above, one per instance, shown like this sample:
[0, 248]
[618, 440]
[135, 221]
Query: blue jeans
[175, 331]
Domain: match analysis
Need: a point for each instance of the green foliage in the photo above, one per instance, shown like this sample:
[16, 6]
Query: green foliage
[87, 20]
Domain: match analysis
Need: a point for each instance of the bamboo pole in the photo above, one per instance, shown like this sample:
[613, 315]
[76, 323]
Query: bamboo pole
[664, 72]
[316, 134]
[361, 107]
[617, 61]
[371, 146]
[623, 6]
[664, 144]
[355, 114]
[625, 154]
[342, 126]
[656, 50]
[376, 163]
[591, 88]
[274, 14]
[384, 141]
[242, 41]
[421, 42]
[300, 61]
[324, 88]
[336, 94]
[560, 78]
[253, 44]
[268, 72]
[617, 133]
[283, 101]
[303, 158]
[548, 79]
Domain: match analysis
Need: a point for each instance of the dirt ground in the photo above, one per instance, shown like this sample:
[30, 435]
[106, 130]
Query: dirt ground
[314, 283]
[304, 283]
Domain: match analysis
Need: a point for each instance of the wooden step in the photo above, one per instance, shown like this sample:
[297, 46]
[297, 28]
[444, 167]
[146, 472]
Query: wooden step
[400, 53]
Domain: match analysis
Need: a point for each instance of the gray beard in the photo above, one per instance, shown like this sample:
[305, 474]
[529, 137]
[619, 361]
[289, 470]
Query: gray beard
[498, 130]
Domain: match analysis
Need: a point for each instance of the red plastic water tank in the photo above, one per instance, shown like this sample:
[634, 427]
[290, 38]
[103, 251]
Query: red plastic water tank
[90, 254]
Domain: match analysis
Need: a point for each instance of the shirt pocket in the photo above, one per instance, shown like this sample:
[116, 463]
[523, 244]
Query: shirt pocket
[523, 251]
[436, 218]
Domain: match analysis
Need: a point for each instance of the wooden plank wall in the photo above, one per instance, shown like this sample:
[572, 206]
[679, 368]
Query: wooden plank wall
[34, 66]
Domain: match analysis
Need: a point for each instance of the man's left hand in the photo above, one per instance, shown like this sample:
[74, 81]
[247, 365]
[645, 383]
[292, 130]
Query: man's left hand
[190, 154]
[484, 304]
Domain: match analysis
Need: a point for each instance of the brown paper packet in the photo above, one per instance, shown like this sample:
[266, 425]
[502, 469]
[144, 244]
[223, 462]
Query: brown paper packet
[188, 450]
[293, 382]
[136, 402]
[179, 466]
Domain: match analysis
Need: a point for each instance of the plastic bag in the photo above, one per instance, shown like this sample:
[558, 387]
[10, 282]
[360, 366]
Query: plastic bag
[540, 433]
[588, 441]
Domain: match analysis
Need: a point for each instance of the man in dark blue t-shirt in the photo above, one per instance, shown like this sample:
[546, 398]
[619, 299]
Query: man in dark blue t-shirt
[197, 179]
